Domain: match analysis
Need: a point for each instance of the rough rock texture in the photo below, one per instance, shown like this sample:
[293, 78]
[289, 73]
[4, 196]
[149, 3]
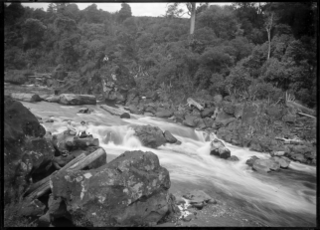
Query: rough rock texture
[77, 99]
[22, 134]
[198, 198]
[150, 136]
[219, 149]
[283, 161]
[207, 112]
[131, 190]
[51, 98]
[265, 165]
[169, 137]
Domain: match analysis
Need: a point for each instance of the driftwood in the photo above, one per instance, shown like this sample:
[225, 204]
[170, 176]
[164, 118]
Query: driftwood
[191, 101]
[78, 163]
[302, 110]
[290, 141]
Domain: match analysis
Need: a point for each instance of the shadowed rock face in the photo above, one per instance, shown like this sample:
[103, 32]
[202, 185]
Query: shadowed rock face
[131, 190]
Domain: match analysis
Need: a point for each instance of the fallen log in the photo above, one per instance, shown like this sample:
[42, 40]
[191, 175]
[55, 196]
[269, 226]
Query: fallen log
[191, 101]
[306, 115]
[27, 97]
[78, 163]
[290, 141]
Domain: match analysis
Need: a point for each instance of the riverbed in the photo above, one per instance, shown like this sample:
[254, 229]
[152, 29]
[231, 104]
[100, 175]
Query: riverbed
[279, 199]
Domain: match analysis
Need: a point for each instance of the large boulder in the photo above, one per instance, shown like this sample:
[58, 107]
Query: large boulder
[265, 165]
[131, 190]
[150, 136]
[77, 99]
[217, 148]
[251, 160]
[21, 127]
[283, 161]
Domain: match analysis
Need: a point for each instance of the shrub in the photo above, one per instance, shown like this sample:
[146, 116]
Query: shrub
[15, 77]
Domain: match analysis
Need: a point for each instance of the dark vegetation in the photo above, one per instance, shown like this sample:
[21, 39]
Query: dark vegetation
[229, 53]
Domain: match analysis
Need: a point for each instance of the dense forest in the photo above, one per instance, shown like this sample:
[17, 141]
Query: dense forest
[249, 51]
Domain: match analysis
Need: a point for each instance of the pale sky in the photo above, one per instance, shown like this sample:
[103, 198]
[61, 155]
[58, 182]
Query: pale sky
[154, 9]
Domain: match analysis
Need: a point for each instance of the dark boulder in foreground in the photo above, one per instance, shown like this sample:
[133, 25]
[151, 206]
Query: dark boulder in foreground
[219, 149]
[131, 190]
[150, 136]
[25, 149]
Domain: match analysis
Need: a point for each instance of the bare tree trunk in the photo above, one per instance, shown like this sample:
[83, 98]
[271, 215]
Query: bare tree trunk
[269, 27]
[192, 19]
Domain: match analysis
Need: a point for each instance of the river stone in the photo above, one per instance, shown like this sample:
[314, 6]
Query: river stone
[198, 196]
[169, 137]
[251, 160]
[77, 99]
[219, 149]
[125, 115]
[150, 136]
[85, 110]
[163, 113]
[283, 161]
[233, 158]
[265, 165]
[131, 190]
[51, 98]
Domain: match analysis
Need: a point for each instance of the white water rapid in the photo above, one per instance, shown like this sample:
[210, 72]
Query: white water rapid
[285, 198]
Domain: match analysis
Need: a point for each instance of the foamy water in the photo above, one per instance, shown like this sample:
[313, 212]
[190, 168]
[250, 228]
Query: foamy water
[285, 198]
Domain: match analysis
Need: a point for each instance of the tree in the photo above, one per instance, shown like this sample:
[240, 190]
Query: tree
[125, 12]
[33, 31]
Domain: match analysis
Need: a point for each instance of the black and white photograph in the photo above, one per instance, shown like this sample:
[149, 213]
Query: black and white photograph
[160, 114]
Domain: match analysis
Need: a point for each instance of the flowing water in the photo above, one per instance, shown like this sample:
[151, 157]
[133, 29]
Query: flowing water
[285, 198]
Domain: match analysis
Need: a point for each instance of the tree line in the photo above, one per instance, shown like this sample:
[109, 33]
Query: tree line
[247, 50]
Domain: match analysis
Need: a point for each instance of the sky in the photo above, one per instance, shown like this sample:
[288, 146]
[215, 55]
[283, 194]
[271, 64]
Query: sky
[153, 9]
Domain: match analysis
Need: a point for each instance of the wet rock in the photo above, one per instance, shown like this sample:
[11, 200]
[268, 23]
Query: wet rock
[219, 149]
[188, 218]
[150, 136]
[125, 115]
[131, 190]
[85, 110]
[189, 121]
[77, 99]
[51, 98]
[265, 165]
[180, 200]
[169, 137]
[233, 158]
[198, 196]
[251, 160]
[199, 123]
[283, 161]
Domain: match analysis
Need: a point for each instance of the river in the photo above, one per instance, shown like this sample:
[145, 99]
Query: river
[284, 198]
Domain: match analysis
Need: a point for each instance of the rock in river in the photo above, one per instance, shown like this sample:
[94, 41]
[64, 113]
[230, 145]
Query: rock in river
[219, 149]
[131, 190]
[150, 136]
[77, 99]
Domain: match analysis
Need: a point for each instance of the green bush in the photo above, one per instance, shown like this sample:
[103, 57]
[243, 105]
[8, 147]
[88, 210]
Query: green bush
[15, 77]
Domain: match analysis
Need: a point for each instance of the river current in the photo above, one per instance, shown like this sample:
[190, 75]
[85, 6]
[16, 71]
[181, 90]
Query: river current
[284, 198]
